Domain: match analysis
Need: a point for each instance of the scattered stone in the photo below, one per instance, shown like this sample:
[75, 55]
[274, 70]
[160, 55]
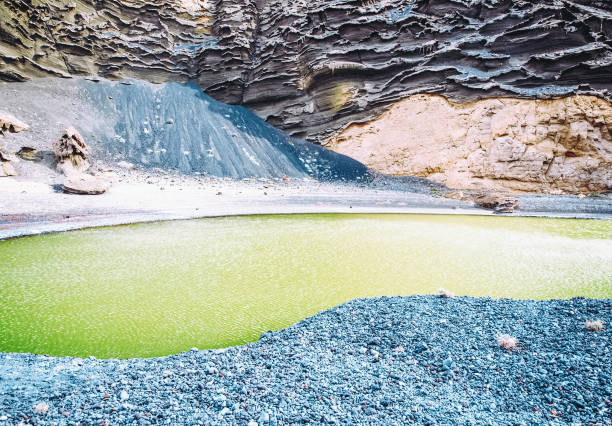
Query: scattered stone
[495, 201]
[3, 418]
[124, 396]
[84, 184]
[6, 168]
[29, 154]
[41, 408]
[10, 124]
[507, 342]
[595, 325]
[170, 121]
[446, 293]
[71, 152]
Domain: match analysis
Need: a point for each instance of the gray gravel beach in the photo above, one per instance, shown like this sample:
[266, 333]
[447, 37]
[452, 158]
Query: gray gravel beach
[391, 360]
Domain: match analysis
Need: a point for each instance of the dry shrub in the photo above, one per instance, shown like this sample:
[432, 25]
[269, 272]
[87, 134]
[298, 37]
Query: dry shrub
[595, 325]
[507, 342]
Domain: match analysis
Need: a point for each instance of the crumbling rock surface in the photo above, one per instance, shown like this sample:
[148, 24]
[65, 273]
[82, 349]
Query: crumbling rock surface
[561, 145]
[71, 152]
[313, 67]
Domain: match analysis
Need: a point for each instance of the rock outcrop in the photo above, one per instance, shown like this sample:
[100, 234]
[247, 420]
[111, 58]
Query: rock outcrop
[71, 152]
[9, 124]
[6, 168]
[562, 145]
[313, 67]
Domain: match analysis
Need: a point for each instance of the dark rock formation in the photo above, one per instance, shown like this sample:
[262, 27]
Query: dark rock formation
[312, 67]
[29, 154]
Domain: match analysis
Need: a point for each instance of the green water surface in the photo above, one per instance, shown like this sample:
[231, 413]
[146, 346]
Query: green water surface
[161, 288]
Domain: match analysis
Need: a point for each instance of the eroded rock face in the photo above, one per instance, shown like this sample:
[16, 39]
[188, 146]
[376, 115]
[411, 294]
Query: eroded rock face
[522, 145]
[312, 67]
[71, 152]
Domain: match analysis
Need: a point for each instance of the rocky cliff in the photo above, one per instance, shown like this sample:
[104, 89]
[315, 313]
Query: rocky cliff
[560, 145]
[313, 67]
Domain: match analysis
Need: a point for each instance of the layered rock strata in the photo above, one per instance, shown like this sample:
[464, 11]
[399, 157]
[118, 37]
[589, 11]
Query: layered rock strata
[313, 67]
[562, 145]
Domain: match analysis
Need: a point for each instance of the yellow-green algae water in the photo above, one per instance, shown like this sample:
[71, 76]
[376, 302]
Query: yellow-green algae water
[160, 288]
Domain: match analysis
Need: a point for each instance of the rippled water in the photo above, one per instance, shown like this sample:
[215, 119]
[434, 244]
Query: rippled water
[161, 288]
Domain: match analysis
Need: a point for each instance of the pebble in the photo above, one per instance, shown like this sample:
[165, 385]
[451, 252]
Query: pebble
[41, 408]
[123, 395]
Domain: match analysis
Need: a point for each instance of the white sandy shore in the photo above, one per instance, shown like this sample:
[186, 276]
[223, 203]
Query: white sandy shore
[31, 206]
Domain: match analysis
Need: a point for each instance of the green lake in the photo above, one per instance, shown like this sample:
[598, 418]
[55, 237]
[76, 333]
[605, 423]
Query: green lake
[161, 288]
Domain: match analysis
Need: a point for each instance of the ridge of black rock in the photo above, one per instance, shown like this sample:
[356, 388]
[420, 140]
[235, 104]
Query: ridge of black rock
[312, 67]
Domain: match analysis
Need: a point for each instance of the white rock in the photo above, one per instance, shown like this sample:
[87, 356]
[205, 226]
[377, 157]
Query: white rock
[41, 407]
[123, 395]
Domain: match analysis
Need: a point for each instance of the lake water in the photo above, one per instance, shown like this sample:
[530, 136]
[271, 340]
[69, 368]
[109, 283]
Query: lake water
[161, 288]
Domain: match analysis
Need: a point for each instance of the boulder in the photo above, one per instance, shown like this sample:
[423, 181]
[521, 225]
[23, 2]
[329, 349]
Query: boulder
[71, 152]
[84, 184]
[10, 124]
[501, 203]
[6, 168]
[29, 154]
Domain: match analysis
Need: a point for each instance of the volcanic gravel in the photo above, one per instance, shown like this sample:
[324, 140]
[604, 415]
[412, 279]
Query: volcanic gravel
[391, 360]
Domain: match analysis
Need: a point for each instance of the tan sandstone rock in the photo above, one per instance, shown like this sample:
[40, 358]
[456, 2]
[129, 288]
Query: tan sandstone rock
[560, 145]
[71, 152]
[84, 184]
[10, 124]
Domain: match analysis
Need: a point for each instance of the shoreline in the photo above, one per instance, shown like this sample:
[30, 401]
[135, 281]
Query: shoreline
[34, 208]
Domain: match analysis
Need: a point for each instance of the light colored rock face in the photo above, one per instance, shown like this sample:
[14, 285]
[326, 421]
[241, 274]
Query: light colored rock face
[561, 145]
[71, 152]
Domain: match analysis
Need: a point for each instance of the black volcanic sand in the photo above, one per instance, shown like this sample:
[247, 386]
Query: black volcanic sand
[421, 359]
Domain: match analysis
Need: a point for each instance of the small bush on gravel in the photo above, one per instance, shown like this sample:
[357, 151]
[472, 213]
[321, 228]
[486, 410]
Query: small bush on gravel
[595, 325]
[507, 342]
